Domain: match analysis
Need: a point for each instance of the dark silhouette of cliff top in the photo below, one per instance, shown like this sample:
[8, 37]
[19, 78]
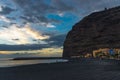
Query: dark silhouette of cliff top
[97, 30]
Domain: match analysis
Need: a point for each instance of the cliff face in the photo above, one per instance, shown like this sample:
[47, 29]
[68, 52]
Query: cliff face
[97, 30]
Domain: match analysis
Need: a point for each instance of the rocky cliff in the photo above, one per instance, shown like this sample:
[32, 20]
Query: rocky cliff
[97, 30]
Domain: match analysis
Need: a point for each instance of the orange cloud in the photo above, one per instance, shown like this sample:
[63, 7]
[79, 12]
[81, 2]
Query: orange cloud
[21, 35]
[46, 52]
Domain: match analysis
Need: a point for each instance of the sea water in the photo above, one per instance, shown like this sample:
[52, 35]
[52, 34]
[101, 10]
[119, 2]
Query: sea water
[8, 62]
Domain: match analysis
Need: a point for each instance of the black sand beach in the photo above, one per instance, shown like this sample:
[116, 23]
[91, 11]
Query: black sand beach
[82, 69]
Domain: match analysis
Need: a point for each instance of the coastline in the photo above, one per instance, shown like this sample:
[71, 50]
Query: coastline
[83, 69]
[29, 61]
[36, 58]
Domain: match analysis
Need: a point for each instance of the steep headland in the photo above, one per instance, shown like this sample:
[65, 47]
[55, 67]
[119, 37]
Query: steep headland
[97, 30]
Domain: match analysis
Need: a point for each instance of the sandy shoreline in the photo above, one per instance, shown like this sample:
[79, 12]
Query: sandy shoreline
[87, 69]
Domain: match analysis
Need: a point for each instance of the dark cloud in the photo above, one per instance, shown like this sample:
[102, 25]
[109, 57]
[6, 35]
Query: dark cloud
[28, 19]
[38, 19]
[34, 11]
[6, 10]
[22, 47]
[62, 6]
[4, 26]
[56, 40]
[11, 18]
[15, 39]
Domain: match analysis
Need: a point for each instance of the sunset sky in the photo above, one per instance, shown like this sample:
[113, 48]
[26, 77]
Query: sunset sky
[39, 27]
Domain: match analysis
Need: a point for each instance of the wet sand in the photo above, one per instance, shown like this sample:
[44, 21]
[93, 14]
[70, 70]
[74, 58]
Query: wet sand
[81, 69]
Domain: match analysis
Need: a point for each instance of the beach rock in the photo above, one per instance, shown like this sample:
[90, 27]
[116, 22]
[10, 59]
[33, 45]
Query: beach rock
[97, 30]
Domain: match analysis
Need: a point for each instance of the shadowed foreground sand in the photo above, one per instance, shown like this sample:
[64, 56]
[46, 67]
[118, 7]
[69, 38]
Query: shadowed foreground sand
[83, 69]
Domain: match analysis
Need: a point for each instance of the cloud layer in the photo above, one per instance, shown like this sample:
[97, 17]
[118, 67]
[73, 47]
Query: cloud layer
[15, 35]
